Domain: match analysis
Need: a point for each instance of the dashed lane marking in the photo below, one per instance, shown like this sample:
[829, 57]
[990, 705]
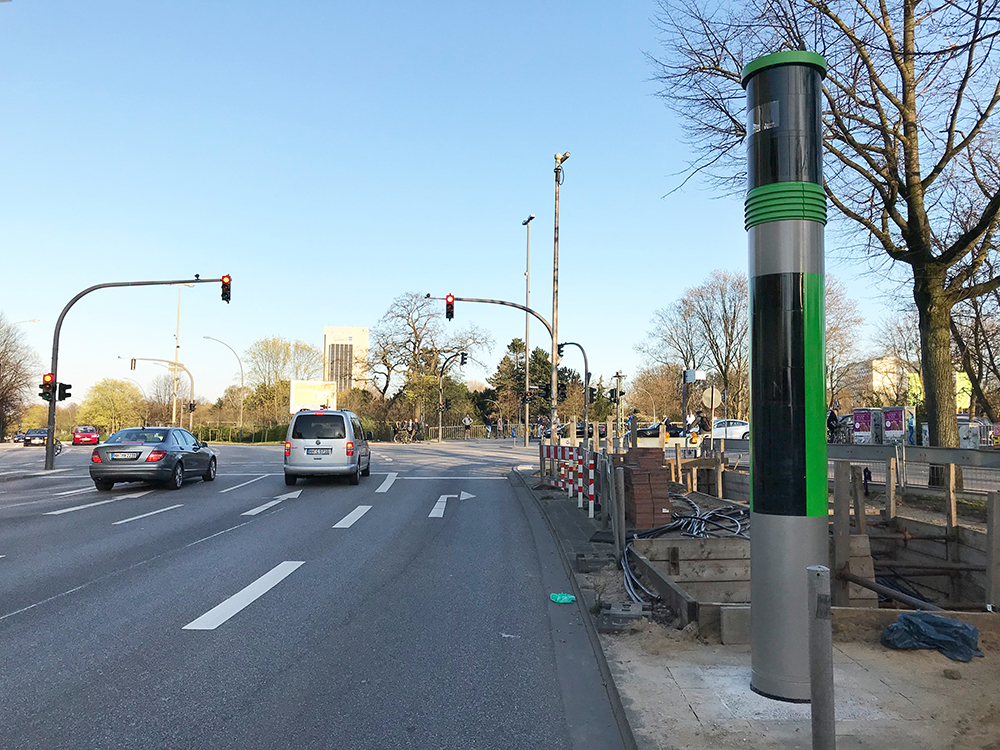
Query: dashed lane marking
[147, 515]
[387, 482]
[99, 502]
[347, 521]
[236, 487]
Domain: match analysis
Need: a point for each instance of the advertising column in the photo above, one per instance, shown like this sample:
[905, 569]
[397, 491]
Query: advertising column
[785, 219]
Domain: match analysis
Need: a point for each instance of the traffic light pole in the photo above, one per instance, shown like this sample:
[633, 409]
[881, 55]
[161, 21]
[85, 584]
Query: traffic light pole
[50, 445]
[444, 367]
[586, 384]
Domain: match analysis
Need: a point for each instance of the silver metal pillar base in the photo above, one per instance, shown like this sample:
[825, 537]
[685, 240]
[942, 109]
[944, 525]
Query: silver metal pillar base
[782, 548]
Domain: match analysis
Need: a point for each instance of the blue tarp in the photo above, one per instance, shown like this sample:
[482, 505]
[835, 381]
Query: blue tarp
[955, 639]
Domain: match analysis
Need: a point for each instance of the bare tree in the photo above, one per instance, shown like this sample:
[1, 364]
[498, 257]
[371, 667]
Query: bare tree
[19, 365]
[674, 337]
[843, 325]
[910, 103]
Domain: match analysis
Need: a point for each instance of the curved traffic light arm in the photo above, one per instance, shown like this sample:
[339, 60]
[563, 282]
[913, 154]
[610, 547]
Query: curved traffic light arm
[50, 452]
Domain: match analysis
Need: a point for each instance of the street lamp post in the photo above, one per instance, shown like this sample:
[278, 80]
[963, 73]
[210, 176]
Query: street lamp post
[177, 351]
[242, 394]
[553, 438]
[145, 400]
[651, 402]
[527, 349]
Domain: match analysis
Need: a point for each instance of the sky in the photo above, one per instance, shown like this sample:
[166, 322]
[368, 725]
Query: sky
[331, 156]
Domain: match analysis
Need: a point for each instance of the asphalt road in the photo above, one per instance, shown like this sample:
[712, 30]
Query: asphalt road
[411, 611]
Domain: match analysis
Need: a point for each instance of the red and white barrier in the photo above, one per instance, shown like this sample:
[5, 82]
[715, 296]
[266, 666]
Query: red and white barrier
[590, 486]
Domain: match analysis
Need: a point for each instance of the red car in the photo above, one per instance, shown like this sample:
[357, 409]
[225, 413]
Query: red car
[85, 435]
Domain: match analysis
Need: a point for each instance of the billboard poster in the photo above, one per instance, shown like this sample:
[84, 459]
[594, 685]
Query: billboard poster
[862, 426]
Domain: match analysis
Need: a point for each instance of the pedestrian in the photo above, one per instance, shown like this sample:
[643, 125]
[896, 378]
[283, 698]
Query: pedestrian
[500, 426]
[467, 423]
[704, 426]
[832, 423]
[539, 426]
[489, 427]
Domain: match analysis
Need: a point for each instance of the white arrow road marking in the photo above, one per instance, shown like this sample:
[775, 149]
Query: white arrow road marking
[265, 506]
[466, 496]
[347, 521]
[99, 502]
[387, 482]
[146, 515]
[243, 599]
[439, 506]
[236, 487]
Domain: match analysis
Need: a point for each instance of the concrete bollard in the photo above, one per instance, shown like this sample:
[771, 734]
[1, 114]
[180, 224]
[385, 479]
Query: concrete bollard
[824, 723]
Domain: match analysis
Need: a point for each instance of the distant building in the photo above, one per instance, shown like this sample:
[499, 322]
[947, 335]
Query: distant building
[345, 352]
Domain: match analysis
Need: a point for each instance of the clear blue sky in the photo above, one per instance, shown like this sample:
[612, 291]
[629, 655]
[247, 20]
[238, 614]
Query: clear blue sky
[333, 155]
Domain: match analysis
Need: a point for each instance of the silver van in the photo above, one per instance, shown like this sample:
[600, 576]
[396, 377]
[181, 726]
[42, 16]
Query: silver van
[323, 443]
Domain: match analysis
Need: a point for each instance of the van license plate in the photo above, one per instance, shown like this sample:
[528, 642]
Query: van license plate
[319, 451]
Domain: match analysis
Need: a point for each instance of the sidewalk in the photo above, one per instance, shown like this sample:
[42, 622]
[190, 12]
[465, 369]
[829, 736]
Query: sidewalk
[681, 691]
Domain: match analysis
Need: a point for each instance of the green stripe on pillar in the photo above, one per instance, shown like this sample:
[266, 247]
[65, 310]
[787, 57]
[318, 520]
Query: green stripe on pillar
[814, 319]
[781, 201]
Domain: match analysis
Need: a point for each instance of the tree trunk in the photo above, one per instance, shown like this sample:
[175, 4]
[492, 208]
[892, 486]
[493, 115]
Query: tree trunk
[934, 308]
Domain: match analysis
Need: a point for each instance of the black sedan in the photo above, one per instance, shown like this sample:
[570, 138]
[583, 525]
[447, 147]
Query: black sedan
[673, 430]
[36, 436]
[151, 454]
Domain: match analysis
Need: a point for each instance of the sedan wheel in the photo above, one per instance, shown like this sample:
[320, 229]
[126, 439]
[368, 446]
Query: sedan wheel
[177, 478]
[103, 485]
[209, 474]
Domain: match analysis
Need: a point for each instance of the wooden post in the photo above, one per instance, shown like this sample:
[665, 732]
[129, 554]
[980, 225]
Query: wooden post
[663, 438]
[609, 437]
[634, 437]
[620, 510]
[841, 530]
[718, 475]
[572, 433]
[993, 550]
[889, 513]
[677, 462]
[952, 510]
[858, 496]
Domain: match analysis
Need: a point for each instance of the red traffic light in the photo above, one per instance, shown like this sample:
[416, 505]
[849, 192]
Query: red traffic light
[48, 377]
[227, 279]
[450, 299]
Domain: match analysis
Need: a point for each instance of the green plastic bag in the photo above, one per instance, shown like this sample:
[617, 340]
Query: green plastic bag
[562, 598]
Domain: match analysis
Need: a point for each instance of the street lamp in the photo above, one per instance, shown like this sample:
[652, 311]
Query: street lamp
[560, 158]
[177, 351]
[145, 400]
[242, 394]
[17, 323]
[527, 350]
[652, 403]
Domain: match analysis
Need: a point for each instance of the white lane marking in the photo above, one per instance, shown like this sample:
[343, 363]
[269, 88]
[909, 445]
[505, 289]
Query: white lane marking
[75, 492]
[261, 508]
[500, 479]
[94, 505]
[217, 533]
[465, 495]
[244, 598]
[524, 467]
[439, 506]
[146, 515]
[347, 521]
[387, 483]
[386, 459]
[262, 476]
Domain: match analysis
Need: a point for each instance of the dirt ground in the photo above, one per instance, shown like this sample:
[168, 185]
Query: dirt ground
[682, 691]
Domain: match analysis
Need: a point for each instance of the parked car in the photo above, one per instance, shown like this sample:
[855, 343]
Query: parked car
[731, 429]
[653, 430]
[151, 454]
[36, 436]
[602, 430]
[326, 442]
[85, 435]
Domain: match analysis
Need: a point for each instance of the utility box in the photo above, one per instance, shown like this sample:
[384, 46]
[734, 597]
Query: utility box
[900, 425]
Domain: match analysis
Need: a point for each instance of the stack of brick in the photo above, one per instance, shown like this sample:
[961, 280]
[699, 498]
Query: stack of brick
[647, 489]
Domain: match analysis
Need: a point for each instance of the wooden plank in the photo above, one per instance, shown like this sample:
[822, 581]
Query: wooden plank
[680, 602]
[890, 490]
[993, 550]
[951, 510]
[730, 592]
[711, 570]
[841, 530]
[694, 549]
[858, 500]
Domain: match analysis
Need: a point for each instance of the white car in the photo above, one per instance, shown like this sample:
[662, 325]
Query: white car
[731, 429]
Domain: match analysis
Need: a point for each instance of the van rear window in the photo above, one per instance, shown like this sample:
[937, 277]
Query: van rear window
[319, 426]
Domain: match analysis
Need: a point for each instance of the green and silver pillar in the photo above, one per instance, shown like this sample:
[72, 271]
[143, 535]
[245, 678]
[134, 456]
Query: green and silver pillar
[785, 218]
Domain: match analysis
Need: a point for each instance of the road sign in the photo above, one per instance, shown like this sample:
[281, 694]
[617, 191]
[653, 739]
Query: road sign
[712, 398]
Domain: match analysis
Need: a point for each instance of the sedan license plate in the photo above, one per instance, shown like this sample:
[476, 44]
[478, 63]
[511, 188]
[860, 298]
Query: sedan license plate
[319, 451]
[123, 456]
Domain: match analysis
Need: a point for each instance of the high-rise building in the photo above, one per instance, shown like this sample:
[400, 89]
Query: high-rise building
[345, 352]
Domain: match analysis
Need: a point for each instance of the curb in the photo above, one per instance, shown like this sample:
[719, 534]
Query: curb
[617, 707]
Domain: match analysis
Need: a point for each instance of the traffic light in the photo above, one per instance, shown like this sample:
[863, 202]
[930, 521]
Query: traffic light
[449, 306]
[560, 348]
[562, 391]
[547, 392]
[227, 285]
[465, 358]
[613, 396]
[191, 406]
[48, 383]
[591, 395]
[440, 407]
[64, 391]
[447, 404]
[528, 397]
